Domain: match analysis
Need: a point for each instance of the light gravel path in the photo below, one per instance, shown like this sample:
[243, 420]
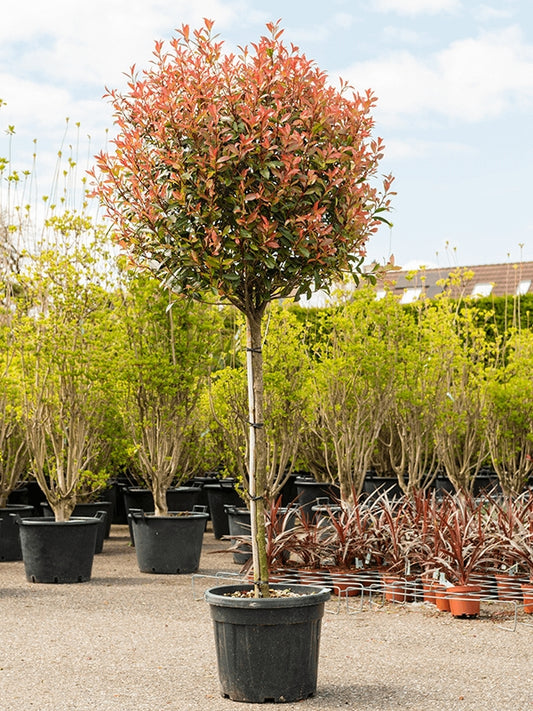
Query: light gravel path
[127, 641]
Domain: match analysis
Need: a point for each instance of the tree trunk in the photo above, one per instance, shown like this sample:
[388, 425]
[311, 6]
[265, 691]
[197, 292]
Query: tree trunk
[63, 508]
[159, 492]
[258, 452]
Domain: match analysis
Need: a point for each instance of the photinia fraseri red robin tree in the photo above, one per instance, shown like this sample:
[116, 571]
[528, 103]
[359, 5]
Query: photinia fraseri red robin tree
[248, 175]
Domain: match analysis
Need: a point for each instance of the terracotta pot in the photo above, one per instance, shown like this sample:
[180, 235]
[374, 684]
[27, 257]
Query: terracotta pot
[464, 600]
[428, 589]
[508, 586]
[397, 589]
[527, 594]
[441, 599]
[351, 583]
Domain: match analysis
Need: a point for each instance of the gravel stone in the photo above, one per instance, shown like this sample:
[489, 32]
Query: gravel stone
[129, 641]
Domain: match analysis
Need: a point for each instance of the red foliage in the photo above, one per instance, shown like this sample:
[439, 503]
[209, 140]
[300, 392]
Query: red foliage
[248, 174]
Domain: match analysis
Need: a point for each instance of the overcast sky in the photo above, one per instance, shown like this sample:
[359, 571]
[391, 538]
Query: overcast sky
[454, 81]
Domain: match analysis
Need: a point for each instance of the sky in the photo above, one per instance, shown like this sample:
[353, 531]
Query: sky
[453, 79]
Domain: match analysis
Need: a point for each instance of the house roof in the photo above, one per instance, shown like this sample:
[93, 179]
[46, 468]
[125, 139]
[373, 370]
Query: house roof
[482, 280]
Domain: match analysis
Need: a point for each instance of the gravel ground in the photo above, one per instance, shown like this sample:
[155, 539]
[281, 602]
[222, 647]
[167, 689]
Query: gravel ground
[127, 641]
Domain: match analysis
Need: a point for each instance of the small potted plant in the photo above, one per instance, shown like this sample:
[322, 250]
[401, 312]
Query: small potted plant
[464, 552]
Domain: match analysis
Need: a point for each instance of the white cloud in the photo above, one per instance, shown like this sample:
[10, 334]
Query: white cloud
[472, 79]
[95, 42]
[403, 35]
[415, 7]
[488, 13]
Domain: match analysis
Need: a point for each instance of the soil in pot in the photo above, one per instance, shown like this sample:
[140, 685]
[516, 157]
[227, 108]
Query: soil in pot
[267, 649]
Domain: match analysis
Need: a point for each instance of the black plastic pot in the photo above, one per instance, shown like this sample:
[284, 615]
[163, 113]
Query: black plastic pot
[101, 509]
[309, 490]
[267, 648]
[58, 551]
[181, 498]
[168, 544]
[29, 494]
[376, 485]
[220, 495]
[10, 539]
[443, 486]
[239, 525]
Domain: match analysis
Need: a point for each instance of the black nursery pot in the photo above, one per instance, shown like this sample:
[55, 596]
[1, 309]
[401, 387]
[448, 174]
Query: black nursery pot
[220, 495]
[168, 544]
[309, 490]
[240, 525]
[267, 648]
[58, 551]
[181, 498]
[101, 509]
[10, 538]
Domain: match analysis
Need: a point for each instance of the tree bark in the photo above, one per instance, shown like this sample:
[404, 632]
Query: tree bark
[159, 493]
[257, 452]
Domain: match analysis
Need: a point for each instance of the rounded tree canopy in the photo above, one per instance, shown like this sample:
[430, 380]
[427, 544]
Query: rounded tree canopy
[246, 174]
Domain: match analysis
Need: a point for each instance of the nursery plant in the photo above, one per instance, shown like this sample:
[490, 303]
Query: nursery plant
[248, 176]
[352, 384]
[287, 394]
[13, 448]
[459, 426]
[65, 332]
[464, 546]
[418, 349]
[509, 414]
[168, 351]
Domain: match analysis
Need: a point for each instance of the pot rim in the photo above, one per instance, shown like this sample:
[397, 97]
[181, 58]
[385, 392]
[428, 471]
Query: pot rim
[73, 521]
[139, 515]
[309, 595]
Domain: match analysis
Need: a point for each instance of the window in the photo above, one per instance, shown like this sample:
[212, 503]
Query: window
[410, 295]
[523, 287]
[380, 294]
[482, 289]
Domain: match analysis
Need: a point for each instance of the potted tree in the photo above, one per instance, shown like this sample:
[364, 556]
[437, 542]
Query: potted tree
[352, 385]
[168, 352]
[13, 449]
[509, 419]
[65, 335]
[251, 177]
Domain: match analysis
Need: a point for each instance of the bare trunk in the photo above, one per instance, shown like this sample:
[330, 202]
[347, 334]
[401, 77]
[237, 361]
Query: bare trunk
[63, 508]
[257, 452]
[159, 492]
